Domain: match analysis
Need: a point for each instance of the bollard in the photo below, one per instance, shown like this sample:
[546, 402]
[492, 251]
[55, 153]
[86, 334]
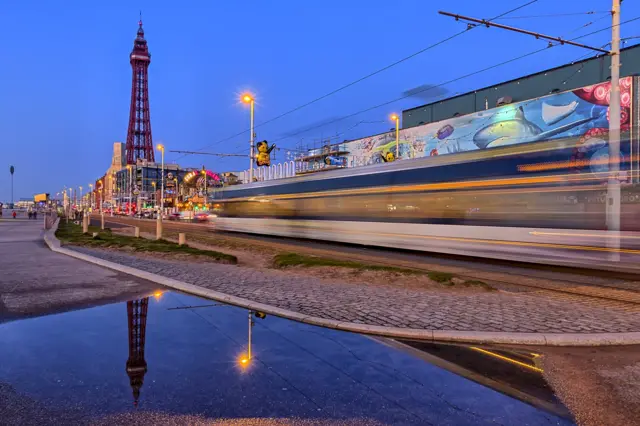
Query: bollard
[85, 224]
[102, 221]
[182, 238]
[159, 228]
[136, 231]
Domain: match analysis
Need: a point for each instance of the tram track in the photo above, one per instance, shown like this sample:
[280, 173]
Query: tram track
[624, 288]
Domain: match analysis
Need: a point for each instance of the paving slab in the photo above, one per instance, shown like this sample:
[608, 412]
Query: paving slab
[36, 281]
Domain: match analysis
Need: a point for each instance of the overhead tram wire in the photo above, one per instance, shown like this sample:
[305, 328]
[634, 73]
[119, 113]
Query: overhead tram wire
[455, 79]
[361, 78]
[558, 15]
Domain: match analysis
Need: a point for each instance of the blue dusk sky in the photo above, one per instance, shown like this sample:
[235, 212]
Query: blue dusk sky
[65, 79]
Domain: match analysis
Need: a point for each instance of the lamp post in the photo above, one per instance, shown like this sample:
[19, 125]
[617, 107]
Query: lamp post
[396, 119]
[249, 99]
[161, 148]
[155, 201]
[12, 171]
[81, 204]
[91, 196]
[101, 194]
[204, 174]
[130, 189]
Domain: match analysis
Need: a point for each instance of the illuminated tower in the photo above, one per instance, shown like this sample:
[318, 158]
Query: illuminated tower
[139, 141]
[136, 365]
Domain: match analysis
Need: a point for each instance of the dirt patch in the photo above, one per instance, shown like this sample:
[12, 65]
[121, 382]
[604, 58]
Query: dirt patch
[601, 386]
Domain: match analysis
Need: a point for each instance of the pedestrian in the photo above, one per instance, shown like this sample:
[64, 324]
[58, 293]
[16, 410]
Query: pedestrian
[14, 214]
[35, 214]
[29, 213]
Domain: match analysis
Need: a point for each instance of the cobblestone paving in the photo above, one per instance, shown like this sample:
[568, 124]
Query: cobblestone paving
[539, 311]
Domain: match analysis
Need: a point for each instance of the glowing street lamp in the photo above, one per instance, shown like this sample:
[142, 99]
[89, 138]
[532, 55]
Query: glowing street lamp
[247, 98]
[396, 118]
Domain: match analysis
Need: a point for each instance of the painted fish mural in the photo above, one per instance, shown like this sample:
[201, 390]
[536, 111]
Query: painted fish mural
[518, 130]
[574, 113]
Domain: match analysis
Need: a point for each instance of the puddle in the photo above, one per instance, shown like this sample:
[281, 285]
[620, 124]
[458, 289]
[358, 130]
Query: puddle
[181, 359]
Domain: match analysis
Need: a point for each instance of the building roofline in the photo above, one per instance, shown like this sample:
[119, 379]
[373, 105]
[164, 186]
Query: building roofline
[518, 79]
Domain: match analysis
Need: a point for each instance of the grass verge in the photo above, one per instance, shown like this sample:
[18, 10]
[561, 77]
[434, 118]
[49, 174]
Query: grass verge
[69, 233]
[284, 260]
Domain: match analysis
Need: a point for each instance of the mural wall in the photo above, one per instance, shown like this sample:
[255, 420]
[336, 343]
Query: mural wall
[580, 113]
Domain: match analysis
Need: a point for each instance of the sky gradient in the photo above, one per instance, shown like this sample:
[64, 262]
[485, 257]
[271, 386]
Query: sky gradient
[66, 77]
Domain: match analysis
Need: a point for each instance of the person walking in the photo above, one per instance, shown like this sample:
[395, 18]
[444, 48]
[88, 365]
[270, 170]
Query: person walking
[14, 214]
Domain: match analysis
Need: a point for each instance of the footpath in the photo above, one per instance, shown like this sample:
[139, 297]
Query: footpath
[37, 281]
[532, 318]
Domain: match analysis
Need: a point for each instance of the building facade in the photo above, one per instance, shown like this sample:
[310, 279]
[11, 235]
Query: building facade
[555, 80]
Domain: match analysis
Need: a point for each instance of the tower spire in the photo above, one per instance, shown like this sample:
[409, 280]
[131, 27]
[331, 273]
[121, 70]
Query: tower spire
[139, 139]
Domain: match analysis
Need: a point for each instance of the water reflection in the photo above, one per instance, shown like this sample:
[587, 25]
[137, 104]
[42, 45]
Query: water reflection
[67, 365]
[512, 371]
[136, 364]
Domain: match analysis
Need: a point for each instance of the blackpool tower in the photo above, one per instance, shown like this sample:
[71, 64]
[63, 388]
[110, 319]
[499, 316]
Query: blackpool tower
[139, 141]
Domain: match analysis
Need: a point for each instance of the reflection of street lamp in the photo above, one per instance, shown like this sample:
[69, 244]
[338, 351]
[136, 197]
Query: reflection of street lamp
[396, 118]
[247, 98]
[161, 148]
[245, 360]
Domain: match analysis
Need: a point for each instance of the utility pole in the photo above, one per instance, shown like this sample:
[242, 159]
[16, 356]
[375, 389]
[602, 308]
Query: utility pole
[613, 186]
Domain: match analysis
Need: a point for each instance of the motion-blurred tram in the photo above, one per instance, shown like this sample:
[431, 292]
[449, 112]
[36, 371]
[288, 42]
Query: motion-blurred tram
[539, 201]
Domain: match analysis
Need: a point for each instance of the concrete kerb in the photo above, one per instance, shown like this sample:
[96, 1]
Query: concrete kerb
[476, 337]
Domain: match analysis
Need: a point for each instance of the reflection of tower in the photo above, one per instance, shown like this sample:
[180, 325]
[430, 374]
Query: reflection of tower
[136, 365]
[139, 141]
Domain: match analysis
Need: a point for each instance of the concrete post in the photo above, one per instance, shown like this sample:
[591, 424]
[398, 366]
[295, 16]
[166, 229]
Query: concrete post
[85, 224]
[136, 231]
[102, 221]
[159, 228]
[182, 239]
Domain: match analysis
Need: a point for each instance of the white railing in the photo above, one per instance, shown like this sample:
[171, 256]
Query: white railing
[275, 171]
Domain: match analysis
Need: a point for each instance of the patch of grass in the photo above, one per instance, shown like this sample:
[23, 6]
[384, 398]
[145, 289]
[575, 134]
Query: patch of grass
[476, 283]
[72, 234]
[284, 260]
[441, 277]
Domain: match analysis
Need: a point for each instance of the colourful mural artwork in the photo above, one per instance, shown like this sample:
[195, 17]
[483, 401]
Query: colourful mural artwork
[581, 113]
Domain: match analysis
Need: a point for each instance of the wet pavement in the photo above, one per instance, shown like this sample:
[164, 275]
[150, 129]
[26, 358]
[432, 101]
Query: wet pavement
[176, 359]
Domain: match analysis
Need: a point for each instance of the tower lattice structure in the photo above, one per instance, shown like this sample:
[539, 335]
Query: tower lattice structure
[139, 140]
[136, 364]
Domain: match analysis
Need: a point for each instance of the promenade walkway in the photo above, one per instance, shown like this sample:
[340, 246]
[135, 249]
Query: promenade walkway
[36, 281]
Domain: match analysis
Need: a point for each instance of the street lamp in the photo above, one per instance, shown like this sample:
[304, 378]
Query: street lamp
[161, 148]
[81, 206]
[130, 185]
[101, 193]
[396, 118]
[91, 196]
[204, 174]
[249, 99]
